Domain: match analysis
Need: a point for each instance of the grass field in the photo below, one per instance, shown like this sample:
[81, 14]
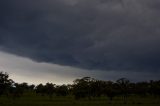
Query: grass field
[34, 100]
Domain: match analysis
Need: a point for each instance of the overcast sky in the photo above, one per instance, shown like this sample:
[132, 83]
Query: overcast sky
[60, 40]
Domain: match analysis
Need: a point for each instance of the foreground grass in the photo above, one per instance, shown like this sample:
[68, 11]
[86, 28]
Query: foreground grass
[34, 100]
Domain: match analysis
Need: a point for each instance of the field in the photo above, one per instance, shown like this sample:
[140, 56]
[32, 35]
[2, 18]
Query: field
[34, 100]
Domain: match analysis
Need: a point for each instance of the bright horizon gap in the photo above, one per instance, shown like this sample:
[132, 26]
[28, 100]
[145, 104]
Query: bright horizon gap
[23, 69]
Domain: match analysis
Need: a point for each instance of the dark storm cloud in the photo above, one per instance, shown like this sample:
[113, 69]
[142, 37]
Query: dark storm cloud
[92, 34]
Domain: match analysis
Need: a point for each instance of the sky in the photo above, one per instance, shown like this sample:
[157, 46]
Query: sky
[61, 40]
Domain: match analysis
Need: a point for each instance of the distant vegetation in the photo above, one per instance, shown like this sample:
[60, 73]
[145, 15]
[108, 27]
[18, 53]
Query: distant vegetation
[86, 88]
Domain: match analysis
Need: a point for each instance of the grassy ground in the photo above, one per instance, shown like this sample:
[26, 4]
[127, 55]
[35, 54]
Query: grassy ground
[33, 100]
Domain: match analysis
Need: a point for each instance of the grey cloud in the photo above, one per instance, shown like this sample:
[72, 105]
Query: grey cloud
[23, 69]
[91, 34]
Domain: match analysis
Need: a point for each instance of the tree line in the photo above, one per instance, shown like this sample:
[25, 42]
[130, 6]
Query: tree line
[81, 88]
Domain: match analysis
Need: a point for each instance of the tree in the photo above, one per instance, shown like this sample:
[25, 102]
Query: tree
[123, 84]
[154, 88]
[110, 90]
[16, 91]
[40, 89]
[62, 90]
[49, 89]
[5, 82]
[81, 88]
[142, 88]
[31, 87]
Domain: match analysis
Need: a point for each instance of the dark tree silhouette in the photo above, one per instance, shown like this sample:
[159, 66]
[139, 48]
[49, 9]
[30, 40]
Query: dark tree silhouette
[16, 91]
[142, 89]
[62, 90]
[5, 83]
[49, 89]
[110, 90]
[40, 89]
[82, 87]
[86, 87]
[123, 85]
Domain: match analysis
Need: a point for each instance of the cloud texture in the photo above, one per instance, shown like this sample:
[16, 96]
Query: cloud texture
[91, 34]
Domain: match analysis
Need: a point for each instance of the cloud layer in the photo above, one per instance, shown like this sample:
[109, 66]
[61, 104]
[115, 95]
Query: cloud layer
[91, 34]
[23, 69]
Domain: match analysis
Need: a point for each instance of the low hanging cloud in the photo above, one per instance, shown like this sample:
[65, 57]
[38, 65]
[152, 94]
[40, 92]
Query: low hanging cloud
[90, 34]
[23, 69]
